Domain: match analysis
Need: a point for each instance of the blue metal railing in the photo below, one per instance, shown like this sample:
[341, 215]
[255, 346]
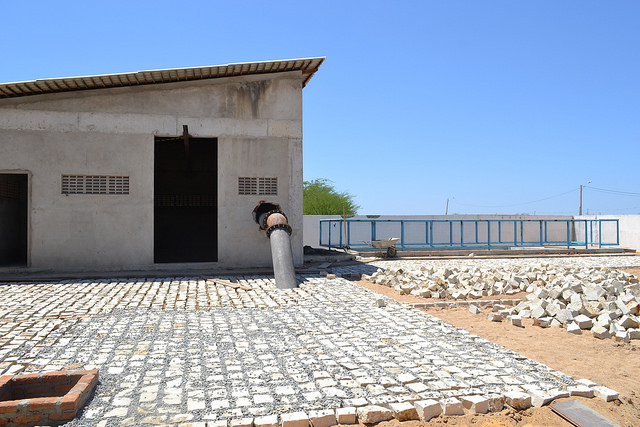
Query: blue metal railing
[469, 233]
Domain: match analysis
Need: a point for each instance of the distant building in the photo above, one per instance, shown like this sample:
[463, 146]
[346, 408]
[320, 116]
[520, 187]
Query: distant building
[150, 169]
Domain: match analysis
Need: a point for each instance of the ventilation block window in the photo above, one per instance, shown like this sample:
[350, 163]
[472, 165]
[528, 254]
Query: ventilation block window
[95, 184]
[257, 186]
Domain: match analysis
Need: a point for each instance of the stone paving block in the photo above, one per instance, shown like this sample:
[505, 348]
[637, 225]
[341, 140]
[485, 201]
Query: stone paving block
[452, 406]
[417, 387]
[428, 409]
[495, 402]
[605, 393]
[517, 400]
[295, 419]
[587, 382]
[580, 391]
[373, 414]
[540, 397]
[404, 411]
[266, 421]
[242, 422]
[600, 332]
[322, 418]
[475, 404]
[346, 415]
[474, 309]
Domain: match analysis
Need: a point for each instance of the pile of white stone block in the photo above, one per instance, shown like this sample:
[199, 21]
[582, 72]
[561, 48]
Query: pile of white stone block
[603, 301]
[455, 283]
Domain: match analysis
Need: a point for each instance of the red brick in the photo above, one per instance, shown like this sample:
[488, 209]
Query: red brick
[32, 391]
[68, 402]
[4, 421]
[27, 379]
[61, 389]
[30, 418]
[42, 404]
[60, 377]
[5, 379]
[8, 407]
[65, 416]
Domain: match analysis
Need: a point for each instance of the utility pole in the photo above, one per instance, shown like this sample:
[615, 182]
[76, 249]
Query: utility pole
[580, 209]
[446, 210]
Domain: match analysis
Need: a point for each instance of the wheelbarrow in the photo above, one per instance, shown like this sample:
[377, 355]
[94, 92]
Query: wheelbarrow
[386, 246]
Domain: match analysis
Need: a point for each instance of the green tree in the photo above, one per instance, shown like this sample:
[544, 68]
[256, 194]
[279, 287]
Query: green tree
[321, 198]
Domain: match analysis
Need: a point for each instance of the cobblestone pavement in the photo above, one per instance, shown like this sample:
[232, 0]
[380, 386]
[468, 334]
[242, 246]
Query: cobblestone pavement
[188, 350]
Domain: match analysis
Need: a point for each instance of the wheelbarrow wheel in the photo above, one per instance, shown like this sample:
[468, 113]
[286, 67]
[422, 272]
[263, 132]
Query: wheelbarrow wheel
[391, 252]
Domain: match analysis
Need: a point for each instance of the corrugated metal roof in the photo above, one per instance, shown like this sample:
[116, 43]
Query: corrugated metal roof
[308, 66]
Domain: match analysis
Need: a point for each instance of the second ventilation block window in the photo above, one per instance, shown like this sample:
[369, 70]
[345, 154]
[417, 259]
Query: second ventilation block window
[257, 186]
[95, 184]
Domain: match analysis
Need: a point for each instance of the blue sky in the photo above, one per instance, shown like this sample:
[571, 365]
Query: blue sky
[500, 106]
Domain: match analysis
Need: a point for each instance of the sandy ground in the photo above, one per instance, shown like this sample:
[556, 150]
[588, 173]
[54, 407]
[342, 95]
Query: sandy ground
[606, 362]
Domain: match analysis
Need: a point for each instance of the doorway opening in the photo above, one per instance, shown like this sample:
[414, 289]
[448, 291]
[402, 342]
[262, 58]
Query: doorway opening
[13, 219]
[185, 199]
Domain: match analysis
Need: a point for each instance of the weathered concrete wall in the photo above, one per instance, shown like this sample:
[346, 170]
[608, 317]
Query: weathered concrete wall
[258, 123]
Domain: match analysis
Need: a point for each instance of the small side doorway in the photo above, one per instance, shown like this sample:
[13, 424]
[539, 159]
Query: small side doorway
[185, 199]
[13, 219]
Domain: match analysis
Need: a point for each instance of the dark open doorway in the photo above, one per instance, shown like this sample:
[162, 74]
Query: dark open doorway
[185, 199]
[13, 219]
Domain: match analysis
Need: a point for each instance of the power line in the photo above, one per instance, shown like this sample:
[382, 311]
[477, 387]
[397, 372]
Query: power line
[621, 193]
[518, 204]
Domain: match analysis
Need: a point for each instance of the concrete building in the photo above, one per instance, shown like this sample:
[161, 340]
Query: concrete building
[154, 169]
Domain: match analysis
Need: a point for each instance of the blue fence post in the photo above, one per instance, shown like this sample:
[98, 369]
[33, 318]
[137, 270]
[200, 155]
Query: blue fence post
[341, 245]
[450, 233]
[476, 223]
[402, 235]
[431, 232]
[515, 233]
[330, 225]
[617, 232]
[373, 230]
[348, 233]
[320, 236]
[568, 236]
[600, 234]
[461, 234]
[488, 234]
[541, 232]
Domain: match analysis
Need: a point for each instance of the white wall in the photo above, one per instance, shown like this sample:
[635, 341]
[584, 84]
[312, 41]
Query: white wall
[258, 123]
[629, 229]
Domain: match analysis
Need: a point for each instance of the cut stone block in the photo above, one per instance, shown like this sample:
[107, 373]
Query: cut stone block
[452, 406]
[628, 322]
[242, 422]
[605, 393]
[346, 415]
[404, 411]
[517, 399]
[475, 404]
[373, 414]
[600, 332]
[406, 378]
[417, 387]
[496, 402]
[515, 320]
[542, 322]
[323, 418]
[428, 409]
[580, 391]
[573, 328]
[266, 421]
[475, 310]
[621, 336]
[295, 419]
[586, 382]
[541, 398]
[634, 334]
[583, 321]
[495, 317]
